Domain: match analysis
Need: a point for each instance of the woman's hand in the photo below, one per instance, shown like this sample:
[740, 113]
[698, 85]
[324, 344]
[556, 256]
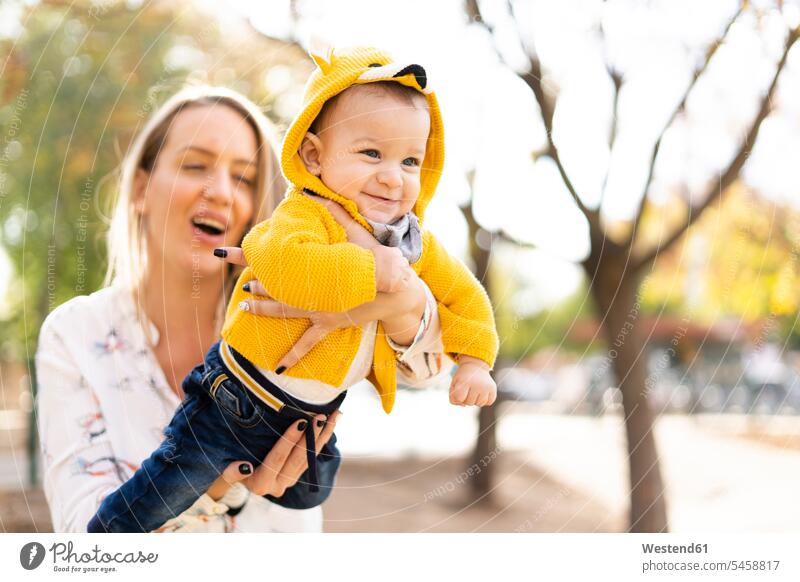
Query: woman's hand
[283, 465]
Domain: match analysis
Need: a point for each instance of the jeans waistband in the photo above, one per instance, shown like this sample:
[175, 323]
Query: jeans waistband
[255, 382]
[272, 395]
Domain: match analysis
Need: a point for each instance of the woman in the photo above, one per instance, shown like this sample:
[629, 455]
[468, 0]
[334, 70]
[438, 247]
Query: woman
[109, 365]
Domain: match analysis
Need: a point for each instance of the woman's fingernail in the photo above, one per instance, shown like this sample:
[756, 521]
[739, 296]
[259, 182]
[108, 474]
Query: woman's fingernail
[320, 423]
[244, 306]
[245, 469]
[246, 287]
[302, 426]
[221, 253]
[280, 370]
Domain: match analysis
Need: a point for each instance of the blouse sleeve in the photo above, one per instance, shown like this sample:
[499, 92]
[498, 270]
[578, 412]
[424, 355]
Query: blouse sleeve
[423, 364]
[80, 467]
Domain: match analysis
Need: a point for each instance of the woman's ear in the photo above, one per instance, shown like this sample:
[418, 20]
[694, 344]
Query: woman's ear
[311, 153]
[139, 189]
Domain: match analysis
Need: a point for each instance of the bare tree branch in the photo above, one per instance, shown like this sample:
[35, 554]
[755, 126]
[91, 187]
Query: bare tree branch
[710, 52]
[734, 167]
[616, 81]
[474, 14]
[505, 237]
[533, 78]
[496, 235]
[473, 225]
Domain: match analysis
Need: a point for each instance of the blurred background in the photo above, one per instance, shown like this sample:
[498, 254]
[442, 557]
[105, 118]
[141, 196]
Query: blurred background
[621, 175]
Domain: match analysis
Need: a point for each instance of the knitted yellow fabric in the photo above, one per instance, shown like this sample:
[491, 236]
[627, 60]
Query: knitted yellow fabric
[302, 257]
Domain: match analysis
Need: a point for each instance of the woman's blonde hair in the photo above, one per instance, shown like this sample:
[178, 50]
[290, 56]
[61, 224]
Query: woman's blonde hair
[126, 241]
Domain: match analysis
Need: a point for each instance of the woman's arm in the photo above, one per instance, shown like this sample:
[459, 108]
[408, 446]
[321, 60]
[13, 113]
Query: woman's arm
[421, 358]
[80, 466]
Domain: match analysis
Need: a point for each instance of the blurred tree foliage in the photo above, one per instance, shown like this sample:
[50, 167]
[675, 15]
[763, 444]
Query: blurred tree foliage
[524, 335]
[741, 260]
[78, 82]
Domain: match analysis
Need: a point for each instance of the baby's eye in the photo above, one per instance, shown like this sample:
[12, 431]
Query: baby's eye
[194, 166]
[411, 162]
[371, 153]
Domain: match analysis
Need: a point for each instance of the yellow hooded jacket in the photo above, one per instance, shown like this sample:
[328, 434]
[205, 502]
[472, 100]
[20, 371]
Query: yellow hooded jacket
[302, 257]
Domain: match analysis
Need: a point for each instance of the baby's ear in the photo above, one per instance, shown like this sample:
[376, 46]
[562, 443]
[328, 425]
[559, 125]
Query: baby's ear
[310, 152]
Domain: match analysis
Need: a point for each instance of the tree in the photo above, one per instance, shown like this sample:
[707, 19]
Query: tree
[616, 263]
[78, 82]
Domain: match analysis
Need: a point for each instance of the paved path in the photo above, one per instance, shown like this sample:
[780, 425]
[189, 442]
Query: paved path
[557, 473]
[715, 480]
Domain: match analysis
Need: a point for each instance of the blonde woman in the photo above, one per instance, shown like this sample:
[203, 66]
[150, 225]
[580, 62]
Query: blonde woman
[110, 365]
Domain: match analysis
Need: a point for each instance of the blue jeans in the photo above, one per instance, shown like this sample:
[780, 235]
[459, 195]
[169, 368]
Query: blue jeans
[211, 429]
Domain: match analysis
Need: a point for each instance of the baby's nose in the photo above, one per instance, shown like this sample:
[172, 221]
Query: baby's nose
[390, 178]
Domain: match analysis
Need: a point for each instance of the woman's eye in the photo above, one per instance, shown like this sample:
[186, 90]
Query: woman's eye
[411, 162]
[245, 180]
[194, 166]
[371, 153]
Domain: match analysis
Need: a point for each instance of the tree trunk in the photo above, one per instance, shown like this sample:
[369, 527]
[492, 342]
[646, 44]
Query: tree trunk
[485, 443]
[482, 458]
[615, 290]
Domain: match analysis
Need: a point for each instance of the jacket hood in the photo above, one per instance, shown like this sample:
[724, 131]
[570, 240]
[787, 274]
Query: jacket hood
[336, 71]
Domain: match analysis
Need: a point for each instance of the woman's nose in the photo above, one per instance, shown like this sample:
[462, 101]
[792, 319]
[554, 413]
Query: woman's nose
[219, 187]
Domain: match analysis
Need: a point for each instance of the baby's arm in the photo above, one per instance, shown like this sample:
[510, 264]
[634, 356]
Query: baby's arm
[468, 330]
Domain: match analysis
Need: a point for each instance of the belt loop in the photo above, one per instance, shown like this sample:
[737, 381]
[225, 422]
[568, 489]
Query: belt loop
[217, 381]
[311, 453]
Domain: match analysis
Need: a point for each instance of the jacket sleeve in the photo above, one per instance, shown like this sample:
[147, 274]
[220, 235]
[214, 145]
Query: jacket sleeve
[73, 436]
[293, 258]
[465, 312]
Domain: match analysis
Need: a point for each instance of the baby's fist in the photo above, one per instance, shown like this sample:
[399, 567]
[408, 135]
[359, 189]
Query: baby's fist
[472, 384]
[391, 269]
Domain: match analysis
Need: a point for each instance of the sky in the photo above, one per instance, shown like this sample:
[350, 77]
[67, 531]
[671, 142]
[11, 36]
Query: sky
[492, 124]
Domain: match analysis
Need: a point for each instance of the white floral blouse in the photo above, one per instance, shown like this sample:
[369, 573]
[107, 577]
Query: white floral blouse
[103, 403]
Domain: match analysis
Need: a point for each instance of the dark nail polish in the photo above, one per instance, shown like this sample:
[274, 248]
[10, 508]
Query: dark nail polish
[246, 287]
[302, 426]
[320, 423]
[280, 370]
[245, 469]
[221, 253]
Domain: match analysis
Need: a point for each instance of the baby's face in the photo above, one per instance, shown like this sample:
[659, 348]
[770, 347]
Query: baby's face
[370, 150]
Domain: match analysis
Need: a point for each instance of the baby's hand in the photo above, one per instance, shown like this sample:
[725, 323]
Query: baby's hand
[391, 269]
[472, 384]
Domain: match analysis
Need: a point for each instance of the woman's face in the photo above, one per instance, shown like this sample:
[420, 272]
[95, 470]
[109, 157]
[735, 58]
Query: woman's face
[200, 193]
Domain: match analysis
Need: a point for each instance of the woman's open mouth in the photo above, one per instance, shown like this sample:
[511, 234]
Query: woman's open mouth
[208, 229]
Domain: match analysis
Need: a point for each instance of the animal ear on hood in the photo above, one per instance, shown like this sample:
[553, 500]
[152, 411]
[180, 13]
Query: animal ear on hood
[321, 53]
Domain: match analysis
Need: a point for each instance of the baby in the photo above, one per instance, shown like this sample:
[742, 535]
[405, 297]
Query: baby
[370, 139]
